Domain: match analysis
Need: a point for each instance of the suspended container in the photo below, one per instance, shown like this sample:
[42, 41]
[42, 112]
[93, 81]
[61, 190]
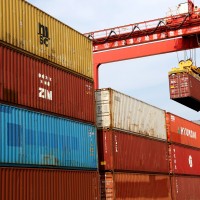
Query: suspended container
[43, 184]
[32, 83]
[31, 138]
[30, 29]
[120, 111]
[184, 89]
[182, 131]
[118, 186]
[184, 160]
[119, 151]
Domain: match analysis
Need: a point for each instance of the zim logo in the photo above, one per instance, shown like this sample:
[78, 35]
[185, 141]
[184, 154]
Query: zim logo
[44, 34]
[45, 82]
[45, 94]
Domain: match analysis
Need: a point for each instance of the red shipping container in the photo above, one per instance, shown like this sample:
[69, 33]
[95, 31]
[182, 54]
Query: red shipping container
[185, 187]
[184, 89]
[184, 160]
[48, 184]
[32, 83]
[120, 186]
[121, 151]
[182, 131]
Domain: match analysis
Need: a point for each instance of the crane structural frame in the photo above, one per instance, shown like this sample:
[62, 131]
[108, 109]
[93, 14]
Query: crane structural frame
[164, 35]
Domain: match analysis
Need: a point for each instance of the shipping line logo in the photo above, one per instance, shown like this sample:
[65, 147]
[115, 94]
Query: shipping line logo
[190, 161]
[44, 34]
[45, 81]
[187, 132]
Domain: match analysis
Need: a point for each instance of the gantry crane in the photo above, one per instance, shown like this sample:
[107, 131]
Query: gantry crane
[176, 32]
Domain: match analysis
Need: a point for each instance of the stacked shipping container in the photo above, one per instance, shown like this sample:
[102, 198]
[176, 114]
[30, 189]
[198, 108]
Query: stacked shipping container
[32, 30]
[30, 82]
[133, 151]
[47, 111]
[120, 151]
[47, 122]
[121, 185]
[184, 157]
[48, 184]
[144, 152]
[33, 138]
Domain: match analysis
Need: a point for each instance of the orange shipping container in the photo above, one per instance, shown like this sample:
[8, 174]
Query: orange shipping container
[182, 131]
[48, 184]
[120, 186]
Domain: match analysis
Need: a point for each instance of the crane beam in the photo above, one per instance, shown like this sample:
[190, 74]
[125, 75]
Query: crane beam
[173, 33]
[139, 38]
[137, 51]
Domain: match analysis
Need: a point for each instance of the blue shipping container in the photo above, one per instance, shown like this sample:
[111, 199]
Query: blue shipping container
[33, 138]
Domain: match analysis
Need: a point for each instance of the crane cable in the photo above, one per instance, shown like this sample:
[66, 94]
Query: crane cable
[90, 36]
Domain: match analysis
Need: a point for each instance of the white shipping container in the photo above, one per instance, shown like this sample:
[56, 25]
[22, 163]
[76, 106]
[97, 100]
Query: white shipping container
[119, 111]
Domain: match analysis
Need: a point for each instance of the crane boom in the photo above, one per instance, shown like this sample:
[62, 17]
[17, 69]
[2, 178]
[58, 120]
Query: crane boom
[176, 32]
[186, 23]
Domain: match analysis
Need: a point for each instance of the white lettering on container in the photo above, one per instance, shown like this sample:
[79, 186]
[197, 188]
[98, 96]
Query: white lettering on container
[45, 94]
[174, 155]
[45, 81]
[187, 132]
[116, 144]
[190, 161]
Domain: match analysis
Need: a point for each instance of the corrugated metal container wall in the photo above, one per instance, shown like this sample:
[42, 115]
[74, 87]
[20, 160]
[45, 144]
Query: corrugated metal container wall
[184, 160]
[185, 187]
[182, 131]
[119, 111]
[32, 30]
[32, 83]
[43, 184]
[34, 138]
[184, 89]
[122, 186]
[120, 151]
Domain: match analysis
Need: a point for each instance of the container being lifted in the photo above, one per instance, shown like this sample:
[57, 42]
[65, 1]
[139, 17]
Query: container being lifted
[184, 84]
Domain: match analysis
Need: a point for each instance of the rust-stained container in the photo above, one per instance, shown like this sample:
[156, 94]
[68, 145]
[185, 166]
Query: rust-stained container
[184, 89]
[184, 160]
[43, 184]
[29, 82]
[120, 111]
[185, 187]
[26, 27]
[120, 151]
[180, 130]
[120, 186]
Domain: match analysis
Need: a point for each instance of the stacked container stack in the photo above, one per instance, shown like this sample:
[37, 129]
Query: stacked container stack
[184, 157]
[133, 149]
[47, 111]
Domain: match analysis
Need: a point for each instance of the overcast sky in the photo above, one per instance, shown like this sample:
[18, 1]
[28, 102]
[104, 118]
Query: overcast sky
[144, 78]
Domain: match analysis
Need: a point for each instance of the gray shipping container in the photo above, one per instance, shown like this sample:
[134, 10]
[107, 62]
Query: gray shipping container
[122, 112]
